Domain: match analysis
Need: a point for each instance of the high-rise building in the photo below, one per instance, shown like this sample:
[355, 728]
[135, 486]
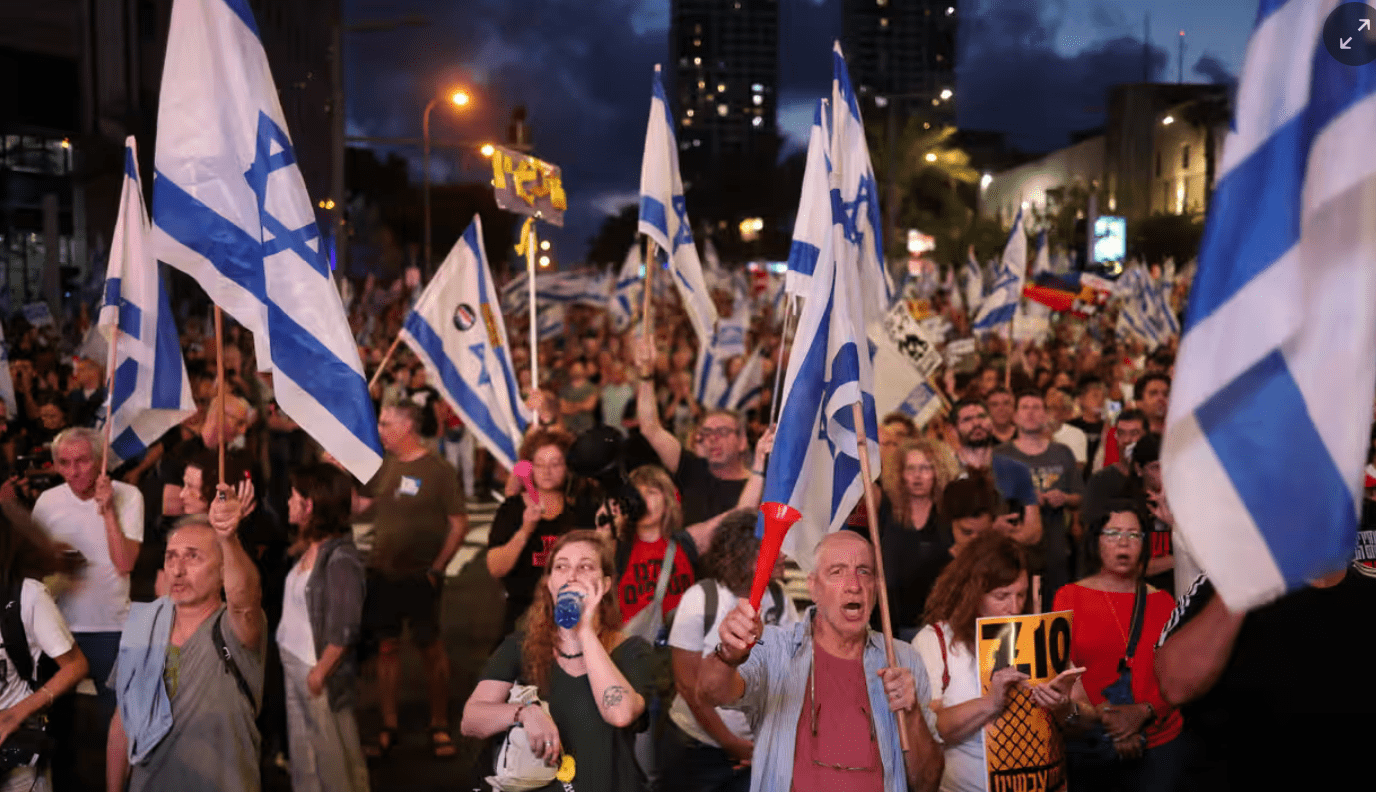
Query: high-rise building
[725, 80]
[905, 52]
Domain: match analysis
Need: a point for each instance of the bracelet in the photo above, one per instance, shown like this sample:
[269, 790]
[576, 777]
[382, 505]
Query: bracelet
[732, 663]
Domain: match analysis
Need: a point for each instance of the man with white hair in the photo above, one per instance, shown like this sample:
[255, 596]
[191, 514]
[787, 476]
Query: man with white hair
[103, 520]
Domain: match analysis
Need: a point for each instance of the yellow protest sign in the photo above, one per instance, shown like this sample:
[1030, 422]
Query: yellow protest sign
[1023, 751]
[526, 185]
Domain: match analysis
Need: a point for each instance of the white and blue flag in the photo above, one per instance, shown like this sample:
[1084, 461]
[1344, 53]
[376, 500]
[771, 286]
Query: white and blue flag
[813, 222]
[974, 285]
[815, 464]
[997, 308]
[748, 384]
[230, 209]
[549, 321]
[151, 392]
[1041, 262]
[627, 290]
[458, 332]
[6, 381]
[855, 197]
[1266, 438]
[664, 217]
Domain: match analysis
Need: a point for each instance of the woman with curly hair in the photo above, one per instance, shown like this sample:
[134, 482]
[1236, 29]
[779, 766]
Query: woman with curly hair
[987, 578]
[524, 529]
[594, 678]
[913, 532]
[707, 749]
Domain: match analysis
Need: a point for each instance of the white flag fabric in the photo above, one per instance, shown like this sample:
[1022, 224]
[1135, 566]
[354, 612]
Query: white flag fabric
[1041, 262]
[815, 465]
[664, 217]
[1001, 303]
[855, 191]
[458, 332]
[151, 392]
[748, 384]
[7, 381]
[813, 222]
[549, 320]
[1266, 437]
[627, 291]
[974, 285]
[230, 209]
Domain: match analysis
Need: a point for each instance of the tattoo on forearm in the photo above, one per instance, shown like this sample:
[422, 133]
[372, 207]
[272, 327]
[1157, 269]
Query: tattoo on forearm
[612, 696]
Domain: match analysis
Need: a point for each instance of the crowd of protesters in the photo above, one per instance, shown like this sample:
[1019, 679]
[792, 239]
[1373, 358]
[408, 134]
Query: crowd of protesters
[1038, 486]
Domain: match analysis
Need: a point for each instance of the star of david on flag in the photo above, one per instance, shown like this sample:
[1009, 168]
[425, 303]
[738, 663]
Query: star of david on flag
[230, 209]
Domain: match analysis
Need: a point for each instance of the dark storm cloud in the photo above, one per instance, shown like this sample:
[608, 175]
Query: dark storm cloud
[1213, 70]
[580, 68]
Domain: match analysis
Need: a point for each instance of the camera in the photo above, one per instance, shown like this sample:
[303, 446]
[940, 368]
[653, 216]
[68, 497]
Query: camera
[597, 455]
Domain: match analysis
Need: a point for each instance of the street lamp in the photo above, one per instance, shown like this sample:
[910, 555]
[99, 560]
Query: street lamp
[487, 150]
[460, 99]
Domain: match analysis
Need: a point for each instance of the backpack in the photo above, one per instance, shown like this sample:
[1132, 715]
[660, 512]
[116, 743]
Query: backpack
[709, 606]
[16, 640]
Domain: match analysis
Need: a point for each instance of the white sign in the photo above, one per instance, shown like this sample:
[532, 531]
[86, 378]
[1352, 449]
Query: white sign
[918, 347]
[960, 349]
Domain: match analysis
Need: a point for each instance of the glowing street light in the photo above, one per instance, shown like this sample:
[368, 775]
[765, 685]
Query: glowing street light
[544, 244]
[946, 93]
[544, 261]
[930, 157]
[985, 181]
[1168, 120]
[459, 98]
[487, 150]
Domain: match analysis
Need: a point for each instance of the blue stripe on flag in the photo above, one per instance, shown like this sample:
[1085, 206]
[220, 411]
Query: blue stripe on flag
[1239, 421]
[339, 389]
[245, 14]
[652, 212]
[1268, 7]
[131, 169]
[472, 402]
[802, 257]
[127, 444]
[126, 379]
[1271, 181]
[167, 356]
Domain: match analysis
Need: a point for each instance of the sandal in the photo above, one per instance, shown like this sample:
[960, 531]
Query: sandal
[442, 743]
[382, 748]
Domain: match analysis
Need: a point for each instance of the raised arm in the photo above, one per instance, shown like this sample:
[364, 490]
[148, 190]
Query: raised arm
[719, 681]
[124, 552]
[666, 446]
[243, 594]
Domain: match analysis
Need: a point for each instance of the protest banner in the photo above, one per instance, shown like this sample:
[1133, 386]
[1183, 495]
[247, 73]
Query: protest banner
[918, 347]
[1023, 750]
[528, 186]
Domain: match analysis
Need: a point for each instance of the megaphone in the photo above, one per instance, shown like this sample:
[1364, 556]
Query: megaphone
[778, 518]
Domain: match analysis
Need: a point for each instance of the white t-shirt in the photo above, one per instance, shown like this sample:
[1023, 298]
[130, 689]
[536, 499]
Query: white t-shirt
[47, 633]
[1073, 437]
[965, 769]
[98, 598]
[294, 634]
[687, 634]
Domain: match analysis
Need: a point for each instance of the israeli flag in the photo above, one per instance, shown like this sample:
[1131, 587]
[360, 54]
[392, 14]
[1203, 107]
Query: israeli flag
[813, 222]
[549, 320]
[664, 216]
[1041, 262]
[626, 290]
[458, 332]
[974, 285]
[151, 392]
[230, 209]
[815, 465]
[1266, 436]
[748, 384]
[1002, 302]
[7, 381]
[855, 197]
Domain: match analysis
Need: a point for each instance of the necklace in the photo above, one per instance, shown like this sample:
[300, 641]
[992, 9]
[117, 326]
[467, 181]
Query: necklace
[573, 656]
[1117, 622]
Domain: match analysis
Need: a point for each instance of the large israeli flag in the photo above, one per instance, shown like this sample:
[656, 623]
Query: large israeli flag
[151, 392]
[664, 216]
[230, 209]
[457, 331]
[998, 307]
[855, 197]
[815, 465]
[1267, 433]
[813, 222]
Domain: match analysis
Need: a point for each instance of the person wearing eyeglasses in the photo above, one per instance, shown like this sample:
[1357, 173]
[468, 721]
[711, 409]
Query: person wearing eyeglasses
[1135, 744]
[822, 691]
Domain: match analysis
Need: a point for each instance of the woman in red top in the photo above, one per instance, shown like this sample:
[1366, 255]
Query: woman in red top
[1144, 732]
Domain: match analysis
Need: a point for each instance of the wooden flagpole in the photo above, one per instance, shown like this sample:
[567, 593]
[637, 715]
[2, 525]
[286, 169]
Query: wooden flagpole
[872, 515]
[385, 358]
[774, 405]
[110, 360]
[220, 377]
[647, 316]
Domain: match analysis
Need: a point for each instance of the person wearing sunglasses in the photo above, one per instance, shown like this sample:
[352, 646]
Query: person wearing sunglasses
[825, 697]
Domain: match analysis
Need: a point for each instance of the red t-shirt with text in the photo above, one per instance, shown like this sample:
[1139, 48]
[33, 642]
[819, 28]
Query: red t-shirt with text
[636, 589]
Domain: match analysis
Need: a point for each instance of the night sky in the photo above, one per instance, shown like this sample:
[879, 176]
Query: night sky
[1035, 69]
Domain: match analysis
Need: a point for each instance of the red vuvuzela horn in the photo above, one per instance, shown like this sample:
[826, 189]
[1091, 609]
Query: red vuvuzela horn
[778, 518]
[524, 471]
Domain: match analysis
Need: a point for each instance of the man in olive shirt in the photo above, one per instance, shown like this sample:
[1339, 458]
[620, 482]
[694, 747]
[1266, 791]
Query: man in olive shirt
[419, 524]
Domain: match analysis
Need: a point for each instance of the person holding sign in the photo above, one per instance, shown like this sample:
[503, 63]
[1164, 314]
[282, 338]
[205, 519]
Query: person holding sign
[987, 578]
[1115, 638]
[817, 689]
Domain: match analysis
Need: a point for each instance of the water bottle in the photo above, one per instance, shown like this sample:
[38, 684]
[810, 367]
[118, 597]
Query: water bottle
[568, 608]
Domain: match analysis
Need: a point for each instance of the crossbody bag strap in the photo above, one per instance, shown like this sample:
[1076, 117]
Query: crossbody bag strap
[709, 605]
[217, 637]
[1139, 611]
[945, 663]
[666, 571]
